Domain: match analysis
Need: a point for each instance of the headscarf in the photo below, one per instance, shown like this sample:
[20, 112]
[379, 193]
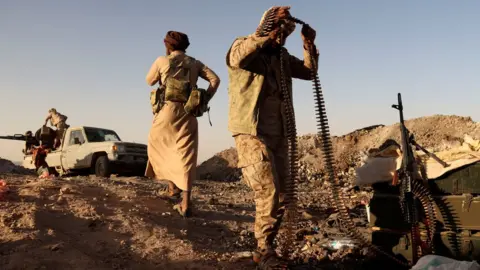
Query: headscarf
[176, 41]
[289, 25]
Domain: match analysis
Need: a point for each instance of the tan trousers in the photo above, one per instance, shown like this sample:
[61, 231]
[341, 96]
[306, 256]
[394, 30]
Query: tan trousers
[264, 161]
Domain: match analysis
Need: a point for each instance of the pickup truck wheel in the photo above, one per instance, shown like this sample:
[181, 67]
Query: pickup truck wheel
[102, 167]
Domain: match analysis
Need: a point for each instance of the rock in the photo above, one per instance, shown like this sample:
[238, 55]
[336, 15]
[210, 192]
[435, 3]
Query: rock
[311, 238]
[306, 215]
[212, 201]
[60, 200]
[242, 255]
[56, 247]
[65, 190]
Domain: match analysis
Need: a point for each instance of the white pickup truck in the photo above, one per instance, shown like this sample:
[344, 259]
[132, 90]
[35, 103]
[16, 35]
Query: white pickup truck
[95, 150]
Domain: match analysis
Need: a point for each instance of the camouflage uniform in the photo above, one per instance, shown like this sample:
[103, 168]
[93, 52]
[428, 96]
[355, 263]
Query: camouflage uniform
[257, 122]
[263, 160]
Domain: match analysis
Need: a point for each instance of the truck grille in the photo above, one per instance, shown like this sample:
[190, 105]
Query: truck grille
[128, 158]
[141, 149]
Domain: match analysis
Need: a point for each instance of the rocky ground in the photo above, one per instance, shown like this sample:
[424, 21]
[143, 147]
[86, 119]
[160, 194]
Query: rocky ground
[121, 223]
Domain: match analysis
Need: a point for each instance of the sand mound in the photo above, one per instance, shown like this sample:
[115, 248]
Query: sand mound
[6, 166]
[433, 132]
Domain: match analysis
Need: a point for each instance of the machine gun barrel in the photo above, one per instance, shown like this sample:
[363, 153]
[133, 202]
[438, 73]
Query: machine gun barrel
[408, 160]
[16, 137]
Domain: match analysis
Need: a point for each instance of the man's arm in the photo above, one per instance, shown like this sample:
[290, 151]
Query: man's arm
[209, 75]
[244, 51]
[301, 69]
[48, 118]
[153, 75]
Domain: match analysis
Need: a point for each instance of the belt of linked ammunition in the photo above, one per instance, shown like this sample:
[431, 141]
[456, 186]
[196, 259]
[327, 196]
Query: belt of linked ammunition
[337, 198]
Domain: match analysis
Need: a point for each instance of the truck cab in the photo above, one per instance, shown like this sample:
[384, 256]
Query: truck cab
[97, 150]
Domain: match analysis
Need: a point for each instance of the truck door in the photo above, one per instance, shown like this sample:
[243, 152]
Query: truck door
[74, 154]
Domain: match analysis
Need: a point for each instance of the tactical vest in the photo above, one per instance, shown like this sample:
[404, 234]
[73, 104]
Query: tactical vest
[244, 88]
[177, 88]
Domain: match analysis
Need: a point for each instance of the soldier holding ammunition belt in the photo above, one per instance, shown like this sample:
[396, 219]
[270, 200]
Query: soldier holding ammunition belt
[257, 122]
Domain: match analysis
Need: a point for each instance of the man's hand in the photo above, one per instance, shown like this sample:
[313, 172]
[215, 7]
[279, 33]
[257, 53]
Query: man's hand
[308, 35]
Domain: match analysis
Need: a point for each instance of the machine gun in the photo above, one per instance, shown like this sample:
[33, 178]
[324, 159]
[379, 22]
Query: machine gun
[30, 141]
[43, 137]
[407, 175]
[412, 189]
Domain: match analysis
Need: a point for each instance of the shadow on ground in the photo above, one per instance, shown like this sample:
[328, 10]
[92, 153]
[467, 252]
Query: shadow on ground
[90, 231]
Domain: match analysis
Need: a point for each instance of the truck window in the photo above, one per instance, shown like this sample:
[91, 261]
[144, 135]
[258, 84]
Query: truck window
[76, 134]
[101, 135]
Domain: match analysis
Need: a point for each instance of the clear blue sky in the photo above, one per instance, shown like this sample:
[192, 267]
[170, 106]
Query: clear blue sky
[89, 59]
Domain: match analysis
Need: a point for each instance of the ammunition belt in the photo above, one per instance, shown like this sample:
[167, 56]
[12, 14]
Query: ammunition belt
[337, 198]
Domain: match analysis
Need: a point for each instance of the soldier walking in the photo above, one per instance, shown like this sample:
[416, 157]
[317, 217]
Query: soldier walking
[173, 138]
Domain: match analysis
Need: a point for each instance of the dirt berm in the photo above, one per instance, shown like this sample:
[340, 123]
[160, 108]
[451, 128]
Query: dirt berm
[433, 132]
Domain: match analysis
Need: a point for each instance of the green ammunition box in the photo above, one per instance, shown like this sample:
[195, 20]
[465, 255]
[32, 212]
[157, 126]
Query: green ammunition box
[459, 181]
[457, 205]
[462, 246]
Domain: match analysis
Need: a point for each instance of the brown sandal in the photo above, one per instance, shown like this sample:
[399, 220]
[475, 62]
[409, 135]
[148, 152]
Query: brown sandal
[170, 196]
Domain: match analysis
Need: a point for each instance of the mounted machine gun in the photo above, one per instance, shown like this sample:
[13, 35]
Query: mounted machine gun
[29, 140]
[419, 215]
[412, 190]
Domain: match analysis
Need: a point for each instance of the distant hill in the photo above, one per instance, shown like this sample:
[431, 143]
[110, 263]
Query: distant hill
[6, 166]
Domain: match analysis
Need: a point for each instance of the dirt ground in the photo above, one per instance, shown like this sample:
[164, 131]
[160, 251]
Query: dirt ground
[80, 222]
[121, 223]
